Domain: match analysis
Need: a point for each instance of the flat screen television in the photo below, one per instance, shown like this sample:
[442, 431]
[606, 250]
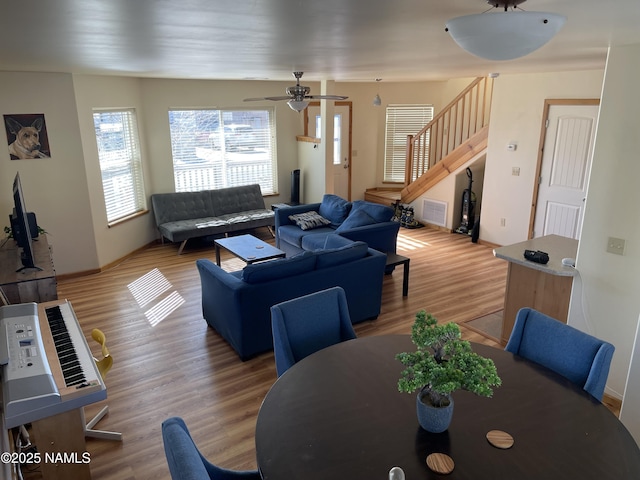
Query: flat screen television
[20, 227]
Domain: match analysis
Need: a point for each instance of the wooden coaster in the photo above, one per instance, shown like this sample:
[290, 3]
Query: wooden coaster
[500, 439]
[440, 463]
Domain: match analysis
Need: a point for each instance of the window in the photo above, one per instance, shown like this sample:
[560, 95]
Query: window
[402, 120]
[223, 148]
[120, 163]
[337, 133]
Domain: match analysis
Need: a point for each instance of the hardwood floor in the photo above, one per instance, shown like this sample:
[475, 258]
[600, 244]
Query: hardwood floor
[168, 362]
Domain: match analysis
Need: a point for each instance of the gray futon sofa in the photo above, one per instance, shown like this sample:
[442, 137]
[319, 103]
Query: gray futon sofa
[183, 215]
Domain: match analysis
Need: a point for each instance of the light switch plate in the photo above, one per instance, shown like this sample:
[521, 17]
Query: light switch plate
[616, 245]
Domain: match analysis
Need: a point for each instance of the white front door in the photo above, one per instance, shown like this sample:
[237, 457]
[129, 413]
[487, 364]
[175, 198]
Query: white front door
[564, 173]
[341, 146]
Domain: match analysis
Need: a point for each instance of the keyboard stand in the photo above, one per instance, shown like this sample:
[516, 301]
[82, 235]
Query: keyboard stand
[62, 436]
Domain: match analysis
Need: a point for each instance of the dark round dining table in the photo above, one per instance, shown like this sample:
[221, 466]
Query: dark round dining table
[338, 414]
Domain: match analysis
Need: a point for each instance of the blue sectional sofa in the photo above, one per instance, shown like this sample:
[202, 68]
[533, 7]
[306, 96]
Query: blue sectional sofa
[237, 304]
[358, 221]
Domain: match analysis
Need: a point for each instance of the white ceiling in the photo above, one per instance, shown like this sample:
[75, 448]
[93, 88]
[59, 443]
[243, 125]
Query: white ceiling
[342, 40]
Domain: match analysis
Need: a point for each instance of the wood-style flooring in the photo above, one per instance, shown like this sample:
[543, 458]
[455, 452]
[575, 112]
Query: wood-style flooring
[168, 362]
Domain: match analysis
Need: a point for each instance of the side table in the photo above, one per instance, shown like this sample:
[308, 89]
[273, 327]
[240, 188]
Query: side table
[393, 259]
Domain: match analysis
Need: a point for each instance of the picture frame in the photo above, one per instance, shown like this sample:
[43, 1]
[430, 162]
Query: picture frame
[27, 136]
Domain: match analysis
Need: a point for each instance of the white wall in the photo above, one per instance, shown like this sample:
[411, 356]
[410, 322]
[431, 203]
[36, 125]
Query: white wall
[91, 92]
[516, 117]
[312, 172]
[612, 282]
[630, 412]
[159, 95]
[449, 190]
[55, 188]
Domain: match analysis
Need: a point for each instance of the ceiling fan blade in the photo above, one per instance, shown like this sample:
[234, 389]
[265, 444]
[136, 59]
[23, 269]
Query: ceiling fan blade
[298, 93]
[327, 97]
[285, 97]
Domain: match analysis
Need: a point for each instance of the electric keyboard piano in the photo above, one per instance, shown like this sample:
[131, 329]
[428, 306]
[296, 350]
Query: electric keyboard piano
[50, 368]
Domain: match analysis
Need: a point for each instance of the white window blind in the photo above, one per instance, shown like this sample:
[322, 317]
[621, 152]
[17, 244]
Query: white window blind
[120, 163]
[402, 120]
[223, 148]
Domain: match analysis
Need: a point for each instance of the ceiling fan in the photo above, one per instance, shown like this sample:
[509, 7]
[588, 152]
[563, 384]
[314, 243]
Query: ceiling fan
[298, 95]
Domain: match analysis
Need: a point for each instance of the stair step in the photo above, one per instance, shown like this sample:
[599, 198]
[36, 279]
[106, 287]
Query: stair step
[384, 196]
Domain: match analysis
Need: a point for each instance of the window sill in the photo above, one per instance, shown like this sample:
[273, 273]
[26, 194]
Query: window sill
[126, 219]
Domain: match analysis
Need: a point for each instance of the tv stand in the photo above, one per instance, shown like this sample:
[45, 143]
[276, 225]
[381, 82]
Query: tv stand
[22, 284]
[24, 258]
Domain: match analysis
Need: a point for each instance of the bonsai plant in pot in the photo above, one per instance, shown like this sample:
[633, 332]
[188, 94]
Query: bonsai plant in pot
[441, 364]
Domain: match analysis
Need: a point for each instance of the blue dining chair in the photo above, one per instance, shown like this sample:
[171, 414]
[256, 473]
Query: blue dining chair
[577, 356]
[309, 323]
[185, 460]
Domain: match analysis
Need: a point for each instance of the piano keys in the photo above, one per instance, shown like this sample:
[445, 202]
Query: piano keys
[50, 368]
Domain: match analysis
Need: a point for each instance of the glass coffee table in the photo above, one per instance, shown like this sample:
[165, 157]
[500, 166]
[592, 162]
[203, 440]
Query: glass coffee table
[247, 248]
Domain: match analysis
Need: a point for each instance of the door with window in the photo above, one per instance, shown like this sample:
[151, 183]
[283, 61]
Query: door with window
[564, 168]
[341, 145]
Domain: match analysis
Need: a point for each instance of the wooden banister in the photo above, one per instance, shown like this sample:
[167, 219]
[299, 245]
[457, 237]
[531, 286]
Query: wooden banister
[464, 117]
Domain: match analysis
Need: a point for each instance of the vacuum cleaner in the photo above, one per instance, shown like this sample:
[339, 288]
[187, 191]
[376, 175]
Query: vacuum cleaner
[468, 208]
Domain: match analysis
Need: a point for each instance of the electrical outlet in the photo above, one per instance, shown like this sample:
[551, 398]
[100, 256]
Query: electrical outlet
[503, 222]
[515, 171]
[616, 245]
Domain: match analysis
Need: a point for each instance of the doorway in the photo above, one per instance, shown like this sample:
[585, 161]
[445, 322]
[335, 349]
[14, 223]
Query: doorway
[564, 164]
[341, 146]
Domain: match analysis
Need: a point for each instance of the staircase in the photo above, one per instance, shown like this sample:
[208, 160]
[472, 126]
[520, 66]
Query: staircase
[455, 135]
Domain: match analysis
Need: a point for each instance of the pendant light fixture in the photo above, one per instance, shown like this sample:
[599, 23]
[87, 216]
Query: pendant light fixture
[504, 35]
[377, 101]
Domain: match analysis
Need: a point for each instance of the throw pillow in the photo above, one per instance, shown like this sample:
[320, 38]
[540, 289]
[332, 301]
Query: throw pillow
[381, 213]
[357, 218]
[334, 208]
[309, 220]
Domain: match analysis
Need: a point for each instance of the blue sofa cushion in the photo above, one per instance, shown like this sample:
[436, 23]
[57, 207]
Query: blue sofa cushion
[324, 241]
[365, 213]
[341, 255]
[292, 235]
[280, 268]
[309, 220]
[380, 213]
[358, 218]
[334, 208]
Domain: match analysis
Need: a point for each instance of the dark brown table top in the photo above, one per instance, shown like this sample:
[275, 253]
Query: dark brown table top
[338, 414]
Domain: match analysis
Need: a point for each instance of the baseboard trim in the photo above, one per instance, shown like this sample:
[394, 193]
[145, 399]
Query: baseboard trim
[84, 273]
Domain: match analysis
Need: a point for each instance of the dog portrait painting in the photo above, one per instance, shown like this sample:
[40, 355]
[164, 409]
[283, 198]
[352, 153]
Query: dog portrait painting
[27, 136]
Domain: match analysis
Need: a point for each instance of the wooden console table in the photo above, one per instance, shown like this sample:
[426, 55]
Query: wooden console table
[30, 284]
[547, 288]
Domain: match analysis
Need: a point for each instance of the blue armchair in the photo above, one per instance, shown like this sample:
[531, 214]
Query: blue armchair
[577, 356]
[185, 460]
[307, 324]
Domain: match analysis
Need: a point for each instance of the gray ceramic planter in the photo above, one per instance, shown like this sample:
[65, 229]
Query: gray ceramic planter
[433, 419]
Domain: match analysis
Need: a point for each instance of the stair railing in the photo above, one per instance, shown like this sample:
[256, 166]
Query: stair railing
[464, 116]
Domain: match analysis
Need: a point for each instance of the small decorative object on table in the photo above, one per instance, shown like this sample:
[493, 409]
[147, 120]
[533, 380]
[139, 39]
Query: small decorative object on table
[441, 364]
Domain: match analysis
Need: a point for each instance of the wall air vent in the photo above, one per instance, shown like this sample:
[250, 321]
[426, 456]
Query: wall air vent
[434, 212]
